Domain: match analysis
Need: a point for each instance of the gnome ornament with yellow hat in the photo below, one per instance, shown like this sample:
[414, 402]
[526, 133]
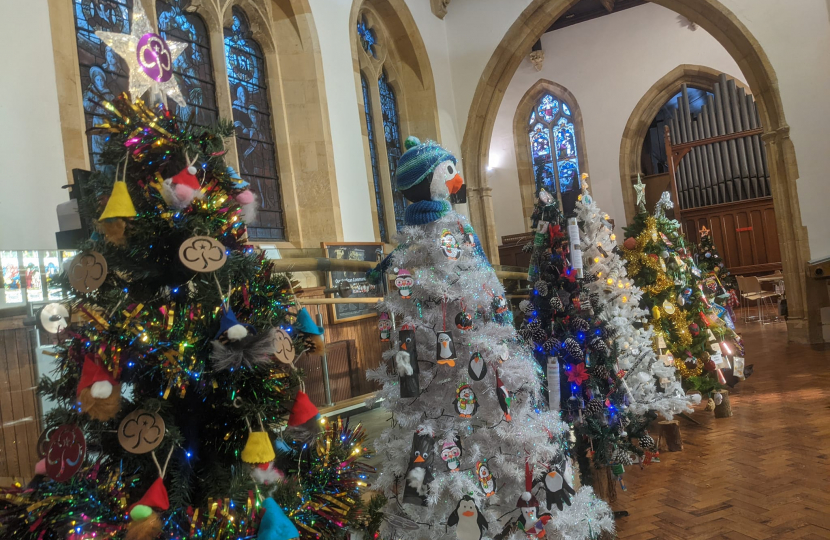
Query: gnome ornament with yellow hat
[119, 209]
[99, 394]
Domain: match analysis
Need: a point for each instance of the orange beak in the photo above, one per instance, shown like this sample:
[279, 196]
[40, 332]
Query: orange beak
[419, 459]
[454, 183]
[468, 513]
[403, 346]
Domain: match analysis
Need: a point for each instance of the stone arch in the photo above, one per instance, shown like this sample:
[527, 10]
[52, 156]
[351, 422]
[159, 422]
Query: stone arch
[646, 109]
[739, 42]
[401, 53]
[527, 182]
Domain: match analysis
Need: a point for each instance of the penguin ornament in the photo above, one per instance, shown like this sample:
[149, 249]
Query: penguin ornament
[419, 472]
[451, 454]
[530, 521]
[558, 490]
[504, 398]
[445, 349]
[466, 403]
[485, 478]
[477, 368]
[406, 363]
[469, 521]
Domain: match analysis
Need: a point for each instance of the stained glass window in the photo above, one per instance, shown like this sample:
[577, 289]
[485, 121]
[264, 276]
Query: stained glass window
[193, 67]
[104, 74]
[252, 120]
[368, 38]
[392, 134]
[373, 157]
[555, 161]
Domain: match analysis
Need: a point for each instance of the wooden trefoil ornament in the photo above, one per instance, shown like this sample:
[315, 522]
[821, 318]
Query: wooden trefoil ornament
[202, 254]
[87, 271]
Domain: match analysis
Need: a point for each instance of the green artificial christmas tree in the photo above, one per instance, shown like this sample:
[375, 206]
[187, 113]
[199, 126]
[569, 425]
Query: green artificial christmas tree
[178, 411]
[712, 265]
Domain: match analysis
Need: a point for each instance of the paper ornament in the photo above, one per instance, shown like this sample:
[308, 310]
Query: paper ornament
[528, 505]
[485, 478]
[141, 431]
[406, 363]
[451, 454]
[504, 397]
[477, 368]
[384, 327]
[274, 524]
[557, 489]
[52, 318]
[468, 520]
[668, 307]
[404, 283]
[150, 58]
[466, 402]
[449, 245]
[87, 271]
[419, 472]
[65, 453]
[445, 349]
[499, 304]
[119, 205]
[202, 254]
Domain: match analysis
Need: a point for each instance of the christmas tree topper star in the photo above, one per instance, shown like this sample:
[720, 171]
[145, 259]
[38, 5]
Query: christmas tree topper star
[149, 57]
[640, 190]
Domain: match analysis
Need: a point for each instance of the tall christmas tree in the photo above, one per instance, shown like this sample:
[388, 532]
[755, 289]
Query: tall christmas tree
[712, 264]
[691, 328]
[651, 383]
[564, 321]
[471, 452]
[175, 374]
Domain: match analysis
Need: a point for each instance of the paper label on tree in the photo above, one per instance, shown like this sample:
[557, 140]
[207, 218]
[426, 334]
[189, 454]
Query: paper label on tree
[720, 361]
[573, 232]
[666, 359]
[576, 258]
[542, 227]
[554, 395]
[738, 368]
[661, 343]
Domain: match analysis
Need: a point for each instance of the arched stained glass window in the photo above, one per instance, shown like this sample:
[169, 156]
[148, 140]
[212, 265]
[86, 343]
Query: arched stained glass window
[252, 120]
[193, 67]
[373, 157]
[104, 75]
[556, 165]
[392, 134]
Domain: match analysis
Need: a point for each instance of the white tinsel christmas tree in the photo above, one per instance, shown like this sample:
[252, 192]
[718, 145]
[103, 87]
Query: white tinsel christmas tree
[470, 454]
[652, 383]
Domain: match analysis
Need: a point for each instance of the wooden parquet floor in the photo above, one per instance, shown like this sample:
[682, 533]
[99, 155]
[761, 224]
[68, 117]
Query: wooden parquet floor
[762, 474]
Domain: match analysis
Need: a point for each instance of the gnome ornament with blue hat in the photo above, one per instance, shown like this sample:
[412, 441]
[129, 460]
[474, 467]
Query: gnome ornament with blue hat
[236, 344]
[312, 332]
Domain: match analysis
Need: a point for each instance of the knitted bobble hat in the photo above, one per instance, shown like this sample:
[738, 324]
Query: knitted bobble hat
[418, 162]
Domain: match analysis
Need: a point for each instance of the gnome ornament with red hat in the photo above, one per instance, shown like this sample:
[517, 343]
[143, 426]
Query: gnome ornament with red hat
[181, 189]
[145, 522]
[99, 394]
[304, 420]
[530, 521]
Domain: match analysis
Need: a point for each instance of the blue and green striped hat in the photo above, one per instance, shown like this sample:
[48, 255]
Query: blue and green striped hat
[418, 161]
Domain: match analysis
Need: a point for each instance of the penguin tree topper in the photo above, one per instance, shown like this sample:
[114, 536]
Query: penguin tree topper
[447, 284]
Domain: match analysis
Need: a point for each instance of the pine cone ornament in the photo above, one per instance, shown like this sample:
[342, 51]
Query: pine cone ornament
[598, 345]
[594, 407]
[541, 287]
[595, 301]
[648, 443]
[524, 332]
[621, 456]
[537, 333]
[600, 372]
[526, 307]
[551, 345]
[556, 304]
[578, 324]
[573, 349]
[710, 405]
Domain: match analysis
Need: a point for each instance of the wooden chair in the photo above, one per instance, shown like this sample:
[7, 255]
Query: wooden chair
[751, 290]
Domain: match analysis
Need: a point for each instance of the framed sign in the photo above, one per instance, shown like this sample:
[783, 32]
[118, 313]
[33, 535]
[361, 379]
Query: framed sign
[367, 251]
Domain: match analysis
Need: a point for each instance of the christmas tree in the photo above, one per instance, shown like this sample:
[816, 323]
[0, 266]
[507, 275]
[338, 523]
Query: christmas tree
[472, 452]
[711, 264]
[692, 330]
[651, 383]
[175, 374]
[575, 343]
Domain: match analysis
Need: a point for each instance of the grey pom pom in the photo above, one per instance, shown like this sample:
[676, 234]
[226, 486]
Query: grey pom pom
[526, 307]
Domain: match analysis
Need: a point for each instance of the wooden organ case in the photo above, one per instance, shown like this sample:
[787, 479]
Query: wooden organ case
[720, 179]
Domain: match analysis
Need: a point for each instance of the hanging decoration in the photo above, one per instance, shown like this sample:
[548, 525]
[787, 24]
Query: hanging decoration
[53, 318]
[449, 245]
[504, 396]
[65, 452]
[468, 520]
[181, 189]
[404, 283]
[141, 431]
[466, 403]
[463, 320]
[558, 491]
[445, 349]
[275, 525]
[419, 473]
[477, 368]
[99, 394]
[87, 271]
[202, 254]
[451, 453]
[485, 478]
[406, 363]
[384, 327]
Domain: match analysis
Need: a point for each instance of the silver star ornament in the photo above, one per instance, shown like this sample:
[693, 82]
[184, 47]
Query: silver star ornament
[149, 57]
[640, 190]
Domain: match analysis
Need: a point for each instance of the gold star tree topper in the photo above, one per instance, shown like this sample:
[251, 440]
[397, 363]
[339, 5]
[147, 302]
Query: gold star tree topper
[149, 57]
[639, 189]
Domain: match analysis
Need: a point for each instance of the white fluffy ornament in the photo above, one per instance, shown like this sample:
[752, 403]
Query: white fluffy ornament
[249, 202]
[103, 390]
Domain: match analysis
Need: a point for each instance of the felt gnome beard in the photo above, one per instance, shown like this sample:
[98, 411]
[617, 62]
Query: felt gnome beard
[99, 394]
[406, 364]
[445, 349]
[419, 472]
[469, 521]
